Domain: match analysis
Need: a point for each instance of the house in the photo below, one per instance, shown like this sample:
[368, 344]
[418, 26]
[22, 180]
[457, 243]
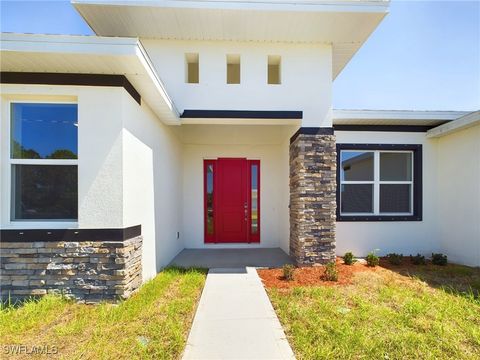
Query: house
[209, 124]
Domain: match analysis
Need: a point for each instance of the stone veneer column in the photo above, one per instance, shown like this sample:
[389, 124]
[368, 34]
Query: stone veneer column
[313, 166]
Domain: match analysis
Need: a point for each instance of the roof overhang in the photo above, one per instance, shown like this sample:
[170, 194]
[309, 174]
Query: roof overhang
[394, 117]
[462, 123]
[344, 24]
[89, 55]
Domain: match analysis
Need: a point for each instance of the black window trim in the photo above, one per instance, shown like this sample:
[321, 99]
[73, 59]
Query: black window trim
[417, 181]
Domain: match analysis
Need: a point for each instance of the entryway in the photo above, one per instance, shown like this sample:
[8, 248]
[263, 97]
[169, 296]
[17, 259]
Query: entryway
[232, 200]
[231, 258]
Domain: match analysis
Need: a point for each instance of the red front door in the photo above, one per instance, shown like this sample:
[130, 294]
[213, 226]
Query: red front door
[231, 206]
[232, 200]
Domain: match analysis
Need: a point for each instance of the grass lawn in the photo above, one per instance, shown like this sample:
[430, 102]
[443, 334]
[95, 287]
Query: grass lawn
[385, 314]
[152, 324]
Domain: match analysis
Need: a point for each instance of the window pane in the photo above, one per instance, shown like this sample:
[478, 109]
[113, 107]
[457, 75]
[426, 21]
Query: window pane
[210, 223]
[44, 192]
[356, 166]
[43, 131]
[395, 166]
[254, 199]
[356, 198]
[395, 198]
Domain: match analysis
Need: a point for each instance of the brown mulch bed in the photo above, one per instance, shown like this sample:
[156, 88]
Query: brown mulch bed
[312, 276]
[458, 276]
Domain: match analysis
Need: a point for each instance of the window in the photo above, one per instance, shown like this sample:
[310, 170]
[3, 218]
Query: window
[378, 182]
[43, 161]
[192, 68]
[209, 173]
[254, 200]
[233, 69]
[274, 65]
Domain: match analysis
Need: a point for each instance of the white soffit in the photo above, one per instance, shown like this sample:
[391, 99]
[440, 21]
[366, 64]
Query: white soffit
[344, 24]
[394, 117]
[89, 55]
[462, 123]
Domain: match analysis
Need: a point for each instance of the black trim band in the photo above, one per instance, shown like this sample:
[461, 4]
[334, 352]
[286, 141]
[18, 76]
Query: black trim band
[70, 79]
[241, 114]
[417, 181]
[30, 235]
[311, 131]
[393, 128]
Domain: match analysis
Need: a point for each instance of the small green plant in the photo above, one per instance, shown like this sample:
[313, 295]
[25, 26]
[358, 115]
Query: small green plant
[418, 259]
[394, 258]
[372, 259]
[331, 272]
[288, 272]
[348, 258]
[439, 259]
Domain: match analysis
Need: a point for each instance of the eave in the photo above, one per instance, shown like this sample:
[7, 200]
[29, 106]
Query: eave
[394, 117]
[65, 54]
[345, 25]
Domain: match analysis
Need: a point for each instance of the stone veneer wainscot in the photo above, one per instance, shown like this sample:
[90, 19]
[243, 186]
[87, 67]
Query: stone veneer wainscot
[313, 166]
[87, 271]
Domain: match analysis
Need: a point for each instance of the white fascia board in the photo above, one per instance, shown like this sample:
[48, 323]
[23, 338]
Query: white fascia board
[461, 123]
[67, 44]
[265, 5]
[339, 115]
[150, 70]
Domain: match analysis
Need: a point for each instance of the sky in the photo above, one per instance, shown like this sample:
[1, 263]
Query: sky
[425, 55]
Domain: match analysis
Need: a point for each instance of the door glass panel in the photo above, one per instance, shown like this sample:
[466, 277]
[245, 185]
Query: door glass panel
[356, 166]
[254, 198]
[210, 223]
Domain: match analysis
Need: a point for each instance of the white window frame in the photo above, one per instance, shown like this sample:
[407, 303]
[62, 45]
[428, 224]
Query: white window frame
[376, 182]
[47, 223]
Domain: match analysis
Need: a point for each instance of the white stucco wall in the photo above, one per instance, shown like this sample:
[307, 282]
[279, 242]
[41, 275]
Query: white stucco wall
[152, 184]
[252, 142]
[459, 195]
[306, 73]
[129, 167]
[99, 152]
[407, 237]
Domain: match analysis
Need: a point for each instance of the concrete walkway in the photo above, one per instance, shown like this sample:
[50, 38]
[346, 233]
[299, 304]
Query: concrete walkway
[235, 320]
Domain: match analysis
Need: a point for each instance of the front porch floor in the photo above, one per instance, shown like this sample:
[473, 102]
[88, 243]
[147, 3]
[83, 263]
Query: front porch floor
[232, 258]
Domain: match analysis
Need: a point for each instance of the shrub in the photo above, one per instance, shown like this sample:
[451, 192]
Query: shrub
[439, 259]
[288, 272]
[372, 259]
[418, 259]
[331, 272]
[348, 258]
[394, 258]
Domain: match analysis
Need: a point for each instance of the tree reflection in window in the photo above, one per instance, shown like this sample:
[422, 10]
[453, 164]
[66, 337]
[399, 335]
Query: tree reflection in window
[43, 131]
[44, 190]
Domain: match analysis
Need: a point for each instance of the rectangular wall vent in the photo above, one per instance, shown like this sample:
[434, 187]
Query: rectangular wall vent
[274, 68]
[192, 68]
[233, 69]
